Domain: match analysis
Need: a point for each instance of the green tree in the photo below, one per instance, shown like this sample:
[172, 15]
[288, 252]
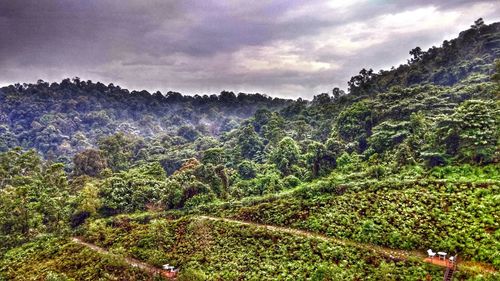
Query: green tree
[361, 83]
[316, 153]
[479, 23]
[337, 93]
[89, 200]
[89, 162]
[18, 167]
[354, 124]
[496, 76]
[273, 130]
[417, 55]
[188, 132]
[286, 155]
[249, 143]
[52, 196]
[120, 150]
[472, 131]
[247, 169]
[215, 156]
[261, 118]
[136, 189]
[34, 197]
[387, 135]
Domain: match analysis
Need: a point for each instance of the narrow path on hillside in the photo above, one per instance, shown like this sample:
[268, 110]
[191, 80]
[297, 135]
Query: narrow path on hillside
[388, 252]
[130, 261]
[395, 254]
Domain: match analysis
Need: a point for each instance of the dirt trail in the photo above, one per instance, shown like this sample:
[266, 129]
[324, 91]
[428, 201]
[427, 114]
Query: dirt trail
[395, 254]
[132, 262]
[384, 251]
[388, 252]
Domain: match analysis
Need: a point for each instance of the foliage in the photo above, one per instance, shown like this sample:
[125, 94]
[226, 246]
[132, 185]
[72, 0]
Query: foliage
[472, 132]
[61, 119]
[286, 156]
[134, 189]
[216, 250]
[249, 143]
[408, 159]
[89, 162]
[34, 197]
[456, 217]
[51, 258]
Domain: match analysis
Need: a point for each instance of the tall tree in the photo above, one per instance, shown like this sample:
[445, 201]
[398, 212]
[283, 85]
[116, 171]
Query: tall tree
[286, 155]
[89, 162]
[496, 76]
[120, 150]
[249, 143]
[417, 54]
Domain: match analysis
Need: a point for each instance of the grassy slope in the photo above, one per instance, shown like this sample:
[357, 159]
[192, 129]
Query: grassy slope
[455, 215]
[53, 258]
[230, 251]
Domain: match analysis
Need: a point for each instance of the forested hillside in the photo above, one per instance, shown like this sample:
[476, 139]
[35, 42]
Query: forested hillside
[407, 160]
[60, 119]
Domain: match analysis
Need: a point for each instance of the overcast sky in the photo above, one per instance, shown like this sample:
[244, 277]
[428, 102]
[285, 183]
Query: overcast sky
[288, 48]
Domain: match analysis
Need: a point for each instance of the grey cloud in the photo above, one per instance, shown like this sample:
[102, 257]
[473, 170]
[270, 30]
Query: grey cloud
[190, 45]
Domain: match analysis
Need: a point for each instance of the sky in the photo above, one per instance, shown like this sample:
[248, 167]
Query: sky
[294, 48]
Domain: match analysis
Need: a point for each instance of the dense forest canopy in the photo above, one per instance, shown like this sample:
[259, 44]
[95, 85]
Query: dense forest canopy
[406, 155]
[60, 119]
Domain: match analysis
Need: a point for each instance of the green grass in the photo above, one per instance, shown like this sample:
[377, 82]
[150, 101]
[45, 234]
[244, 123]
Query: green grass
[439, 210]
[52, 258]
[221, 250]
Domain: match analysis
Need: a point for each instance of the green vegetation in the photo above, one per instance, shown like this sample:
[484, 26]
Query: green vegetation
[223, 251]
[418, 212]
[407, 160]
[54, 259]
[62, 119]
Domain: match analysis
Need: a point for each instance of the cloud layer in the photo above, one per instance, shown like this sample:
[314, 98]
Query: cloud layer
[281, 48]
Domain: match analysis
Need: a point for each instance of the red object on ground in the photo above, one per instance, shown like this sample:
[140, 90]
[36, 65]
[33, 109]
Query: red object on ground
[169, 274]
[440, 262]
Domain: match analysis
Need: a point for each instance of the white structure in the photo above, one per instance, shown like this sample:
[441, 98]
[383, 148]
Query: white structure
[442, 255]
[168, 267]
[431, 253]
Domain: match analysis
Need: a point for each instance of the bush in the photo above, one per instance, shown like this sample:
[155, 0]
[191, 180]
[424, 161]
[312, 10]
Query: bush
[191, 274]
[291, 181]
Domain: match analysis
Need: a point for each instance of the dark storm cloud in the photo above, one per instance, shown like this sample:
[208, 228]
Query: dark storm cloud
[40, 31]
[286, 48]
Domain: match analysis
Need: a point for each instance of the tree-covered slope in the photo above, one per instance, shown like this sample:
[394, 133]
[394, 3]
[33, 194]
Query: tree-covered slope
[473, 51]
[59, 119]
